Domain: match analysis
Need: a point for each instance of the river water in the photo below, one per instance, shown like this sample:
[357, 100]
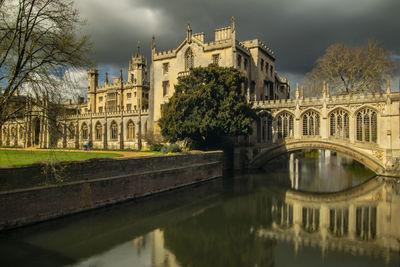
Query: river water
[304, 209]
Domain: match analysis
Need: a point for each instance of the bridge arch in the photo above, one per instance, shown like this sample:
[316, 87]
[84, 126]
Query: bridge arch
[268, 154]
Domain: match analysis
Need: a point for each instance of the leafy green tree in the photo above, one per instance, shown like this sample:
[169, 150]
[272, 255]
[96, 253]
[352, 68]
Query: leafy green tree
[208, 104]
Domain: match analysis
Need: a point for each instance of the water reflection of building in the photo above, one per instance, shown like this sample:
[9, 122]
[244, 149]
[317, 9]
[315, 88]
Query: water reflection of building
[160, 256]
[364, 220]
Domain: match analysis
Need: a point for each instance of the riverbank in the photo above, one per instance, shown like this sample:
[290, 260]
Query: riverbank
[40, 192]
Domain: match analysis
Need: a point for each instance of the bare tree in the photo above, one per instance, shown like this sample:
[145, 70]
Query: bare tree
[39, 44]
[350, 70]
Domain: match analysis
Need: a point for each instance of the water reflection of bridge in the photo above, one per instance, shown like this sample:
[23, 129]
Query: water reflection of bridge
[363, 220]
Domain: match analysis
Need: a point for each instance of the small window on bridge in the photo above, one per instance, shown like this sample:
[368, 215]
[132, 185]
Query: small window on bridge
[367, 124]
[311, 123]
[339, 124]
[285, 125]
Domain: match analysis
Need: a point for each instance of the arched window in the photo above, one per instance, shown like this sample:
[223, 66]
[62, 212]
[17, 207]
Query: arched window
[311, 123]
[367, 124]
[282, 214]
[71, 131]
[189, 59]
[285, 125]
[13, 132]
[131, 130]
[84, 131]
[114, 130]
[310, 219]
[21, 132]
[99, 131]
[339, 124]
[339, 221]
[60, 132]
[366, 222]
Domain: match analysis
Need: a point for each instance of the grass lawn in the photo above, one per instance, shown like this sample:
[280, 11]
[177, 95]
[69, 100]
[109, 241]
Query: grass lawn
[25, 157]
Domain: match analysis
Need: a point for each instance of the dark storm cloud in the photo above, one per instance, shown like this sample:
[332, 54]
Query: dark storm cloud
[298, 31]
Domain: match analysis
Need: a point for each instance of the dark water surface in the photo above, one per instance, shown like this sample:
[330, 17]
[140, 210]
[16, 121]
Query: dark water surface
[306, 209]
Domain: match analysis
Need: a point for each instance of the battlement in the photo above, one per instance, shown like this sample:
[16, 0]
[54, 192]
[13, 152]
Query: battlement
[207, 47]
[199, 36]
[107, 114]
[255, 43]
[218, 44]
[242, 46]
[164, 54]
[223, 33]
[116, 86]
[138, 60]
[282, 79]
[328, 100]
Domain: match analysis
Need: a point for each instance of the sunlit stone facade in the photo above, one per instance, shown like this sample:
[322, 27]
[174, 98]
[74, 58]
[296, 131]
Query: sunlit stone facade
[115, 115]
[252, 57]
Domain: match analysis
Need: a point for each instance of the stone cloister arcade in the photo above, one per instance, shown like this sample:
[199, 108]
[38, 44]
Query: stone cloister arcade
[365, 127]
[113, 130]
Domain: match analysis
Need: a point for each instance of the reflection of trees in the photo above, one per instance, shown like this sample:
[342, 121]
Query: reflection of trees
[357, 170]
[225, 235]
[319, 170]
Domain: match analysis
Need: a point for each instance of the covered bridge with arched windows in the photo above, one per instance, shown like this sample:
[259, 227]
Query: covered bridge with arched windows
[365, 127]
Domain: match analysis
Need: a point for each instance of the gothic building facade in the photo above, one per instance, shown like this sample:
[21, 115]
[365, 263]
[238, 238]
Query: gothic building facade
[122, 114]
[252, 57]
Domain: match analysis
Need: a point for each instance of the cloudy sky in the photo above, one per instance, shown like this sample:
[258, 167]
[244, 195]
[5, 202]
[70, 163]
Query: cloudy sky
[297, 30]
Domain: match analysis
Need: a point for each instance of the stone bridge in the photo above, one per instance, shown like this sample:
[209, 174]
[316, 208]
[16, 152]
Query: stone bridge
[364, 127]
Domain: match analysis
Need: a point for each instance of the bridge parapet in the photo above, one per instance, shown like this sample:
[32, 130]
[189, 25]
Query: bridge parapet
[328, 100]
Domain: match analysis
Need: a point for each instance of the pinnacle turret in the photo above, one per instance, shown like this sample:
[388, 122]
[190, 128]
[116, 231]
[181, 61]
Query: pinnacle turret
[138, 49]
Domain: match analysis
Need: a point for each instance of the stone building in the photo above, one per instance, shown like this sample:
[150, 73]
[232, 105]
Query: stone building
[122, 114]
[115, 115]
[252, 57]
[28, 130]
[120, 96]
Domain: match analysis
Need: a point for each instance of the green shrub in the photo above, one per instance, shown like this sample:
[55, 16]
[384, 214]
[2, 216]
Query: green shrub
[172, 148]
[156, 147]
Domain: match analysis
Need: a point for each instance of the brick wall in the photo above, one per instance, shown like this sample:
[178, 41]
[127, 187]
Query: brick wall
[95, 183]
